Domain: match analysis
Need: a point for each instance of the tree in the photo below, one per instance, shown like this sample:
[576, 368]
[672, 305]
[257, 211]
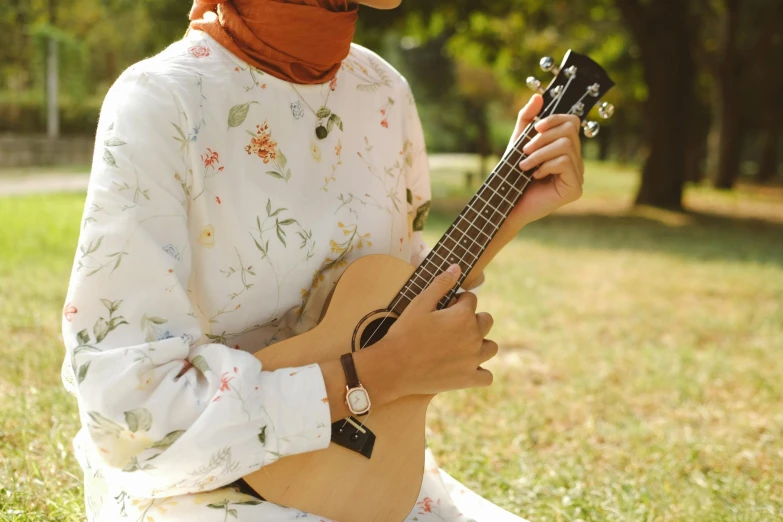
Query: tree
[735, 35]
[663, 30]
[511, 35]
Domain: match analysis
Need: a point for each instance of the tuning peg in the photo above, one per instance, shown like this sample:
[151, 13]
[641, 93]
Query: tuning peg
[578, 109]
[547, 63]
[556, 90]
[605, 110]
[534, 85]
[594, 90]
[570, 72]
[591, 128]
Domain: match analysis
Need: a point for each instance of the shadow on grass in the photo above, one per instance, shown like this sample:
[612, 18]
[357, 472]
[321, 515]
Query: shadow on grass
[693, 235]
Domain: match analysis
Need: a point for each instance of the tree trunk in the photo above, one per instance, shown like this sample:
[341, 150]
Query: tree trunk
[730, 122]
[664, 172]
[694, 160]
[52, 88]
[729, 139]
[604, 139]
[698, 128]
[768, 168]
[669, 71]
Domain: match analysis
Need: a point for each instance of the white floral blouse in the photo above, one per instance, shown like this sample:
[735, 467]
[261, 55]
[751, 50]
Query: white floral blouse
[215, 224]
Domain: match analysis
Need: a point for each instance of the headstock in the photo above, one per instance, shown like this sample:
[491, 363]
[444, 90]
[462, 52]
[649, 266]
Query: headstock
[578, 85]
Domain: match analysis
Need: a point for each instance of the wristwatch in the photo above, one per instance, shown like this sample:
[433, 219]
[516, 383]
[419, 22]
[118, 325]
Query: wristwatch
[356, 397]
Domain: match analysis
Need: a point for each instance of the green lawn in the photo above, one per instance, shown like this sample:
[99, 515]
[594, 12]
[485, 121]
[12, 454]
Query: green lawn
[640, 375]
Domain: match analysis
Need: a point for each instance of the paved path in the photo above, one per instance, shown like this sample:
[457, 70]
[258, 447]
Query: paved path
[45, 183]
[42, 183]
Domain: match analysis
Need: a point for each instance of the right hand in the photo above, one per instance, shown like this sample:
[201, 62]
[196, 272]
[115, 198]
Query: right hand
[431, 350]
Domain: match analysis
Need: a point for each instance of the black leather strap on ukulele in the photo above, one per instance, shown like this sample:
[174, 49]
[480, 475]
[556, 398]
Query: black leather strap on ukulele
[351, 379]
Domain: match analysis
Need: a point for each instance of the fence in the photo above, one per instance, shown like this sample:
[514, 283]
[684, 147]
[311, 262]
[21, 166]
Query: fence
[26, 150]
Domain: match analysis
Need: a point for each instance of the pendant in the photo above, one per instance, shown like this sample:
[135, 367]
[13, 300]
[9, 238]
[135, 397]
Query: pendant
[321, 132]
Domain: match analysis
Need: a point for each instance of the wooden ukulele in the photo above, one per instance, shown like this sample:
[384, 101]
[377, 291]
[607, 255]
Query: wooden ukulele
[373, 469]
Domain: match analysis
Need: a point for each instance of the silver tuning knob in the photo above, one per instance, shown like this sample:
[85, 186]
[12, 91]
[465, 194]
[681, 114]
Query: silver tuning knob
[534, 85]
[547, 63]
[605, 110]
[591, 128]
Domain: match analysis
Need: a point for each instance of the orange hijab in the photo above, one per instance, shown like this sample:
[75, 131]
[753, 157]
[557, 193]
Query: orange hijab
[300, 41]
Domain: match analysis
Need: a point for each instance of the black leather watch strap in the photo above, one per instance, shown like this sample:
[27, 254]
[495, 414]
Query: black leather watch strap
[351, 379]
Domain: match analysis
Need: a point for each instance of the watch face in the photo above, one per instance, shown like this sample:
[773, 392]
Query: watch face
[358, 400]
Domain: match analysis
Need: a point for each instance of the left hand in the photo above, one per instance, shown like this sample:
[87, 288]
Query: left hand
[558, 180]
[558, 153]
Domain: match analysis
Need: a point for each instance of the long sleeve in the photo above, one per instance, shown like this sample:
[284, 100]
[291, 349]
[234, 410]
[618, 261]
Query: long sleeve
[163, 414]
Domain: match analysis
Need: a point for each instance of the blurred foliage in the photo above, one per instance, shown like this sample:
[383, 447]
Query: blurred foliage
[467, 62]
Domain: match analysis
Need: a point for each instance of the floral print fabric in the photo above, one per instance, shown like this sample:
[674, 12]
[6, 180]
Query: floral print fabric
[216, 223]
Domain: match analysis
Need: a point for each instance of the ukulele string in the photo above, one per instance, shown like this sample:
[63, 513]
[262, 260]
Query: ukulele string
[512, 149]
[526, 133]
[460, 218]
[508, 153]
[556, 101]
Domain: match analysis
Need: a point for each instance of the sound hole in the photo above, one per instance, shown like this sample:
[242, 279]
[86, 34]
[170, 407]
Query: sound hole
[375, 331]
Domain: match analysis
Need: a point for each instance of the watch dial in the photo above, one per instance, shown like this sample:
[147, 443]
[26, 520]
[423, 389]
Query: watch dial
[358, 400]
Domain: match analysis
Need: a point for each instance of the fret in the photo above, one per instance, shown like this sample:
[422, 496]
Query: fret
[470, 233]
[423, 266]
[454, 249]
[507, 181]
[488, 210]
[425, 281]
[413, 282]
[501, 196]
[496, 200]
[473, 221]
[452, 260]
[512, 203]
[514, 165]
[513, 184]
[517, 149]
[514, 169]
[440, 266]
[460, 246]
[465, 258]
[512, 188]
[403, 293]
[489, 206]
[464, 239]
[474, 228]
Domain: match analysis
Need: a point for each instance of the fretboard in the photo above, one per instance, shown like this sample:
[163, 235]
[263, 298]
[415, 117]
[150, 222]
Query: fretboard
[470, 234]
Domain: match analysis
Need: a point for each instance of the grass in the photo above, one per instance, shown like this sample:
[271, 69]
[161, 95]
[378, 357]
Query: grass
[639, 377]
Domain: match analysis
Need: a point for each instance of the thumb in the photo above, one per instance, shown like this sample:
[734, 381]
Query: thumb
[526, 115]
[428, 299]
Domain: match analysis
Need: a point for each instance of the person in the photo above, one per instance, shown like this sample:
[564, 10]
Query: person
[236, 174]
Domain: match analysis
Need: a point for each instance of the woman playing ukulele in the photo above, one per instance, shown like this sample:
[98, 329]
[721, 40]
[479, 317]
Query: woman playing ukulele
[236, 174]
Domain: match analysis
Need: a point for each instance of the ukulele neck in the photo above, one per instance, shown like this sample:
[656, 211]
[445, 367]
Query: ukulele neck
[469, 235]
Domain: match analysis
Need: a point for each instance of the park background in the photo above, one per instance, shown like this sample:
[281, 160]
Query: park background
[641, 328]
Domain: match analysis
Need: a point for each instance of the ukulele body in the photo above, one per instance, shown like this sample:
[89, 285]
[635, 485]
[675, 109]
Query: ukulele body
[336, 482]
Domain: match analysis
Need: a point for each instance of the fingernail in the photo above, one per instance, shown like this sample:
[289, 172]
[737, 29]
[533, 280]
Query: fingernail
[523, 164]
[528, 147]
[454, 269]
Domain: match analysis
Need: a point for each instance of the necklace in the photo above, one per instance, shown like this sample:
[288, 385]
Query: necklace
[326, 120]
